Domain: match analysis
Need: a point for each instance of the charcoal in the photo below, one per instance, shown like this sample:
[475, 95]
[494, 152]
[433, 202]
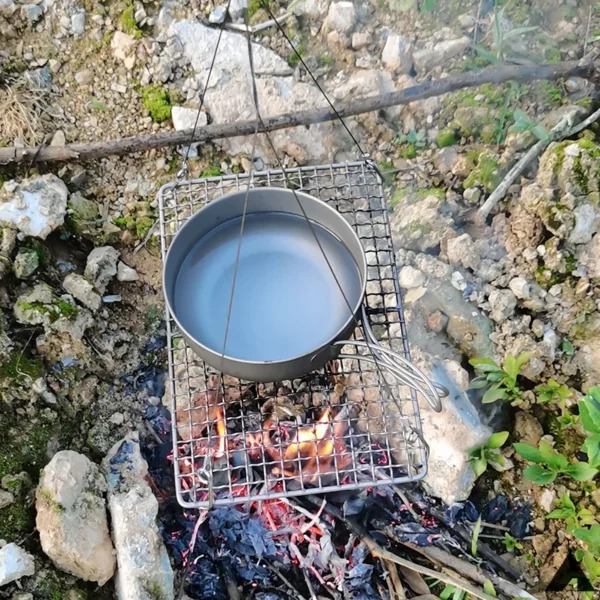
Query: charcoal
[461, 511]
[204, 582]
[379, 537]
[353, 506]
[251, 572]
[357, 584]
[414, 533]
[360, 553]
[495, 511]
[519, 520]
[157, 342]
[268, 596]
[241, 532]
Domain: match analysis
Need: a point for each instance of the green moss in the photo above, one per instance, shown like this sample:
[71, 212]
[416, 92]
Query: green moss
[128, 23]
[559, 152]
[20, 367]
[414, 195]
[553, 56]
[154, 590]
[14, 67]
[551, 93]
[585, 102]
[446, 138]
[212, 171]
[487, 172]
[325, 60]
[156, 101]
[16, 521]
[415, 226]
[56, 506]
[580, 176]
[60, 308]
[293, 58]
[407, 150]
[143, 226]
[547, 278]
[125, 223]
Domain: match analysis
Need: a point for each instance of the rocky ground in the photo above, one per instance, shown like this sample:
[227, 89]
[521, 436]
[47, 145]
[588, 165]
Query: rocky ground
[82, 336]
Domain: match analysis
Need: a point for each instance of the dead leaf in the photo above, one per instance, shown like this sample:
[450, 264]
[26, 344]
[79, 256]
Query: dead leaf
[415, 581]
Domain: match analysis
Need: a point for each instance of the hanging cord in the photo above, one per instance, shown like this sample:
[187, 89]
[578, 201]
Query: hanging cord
[367, 343]
[182, 174]
[265, 4]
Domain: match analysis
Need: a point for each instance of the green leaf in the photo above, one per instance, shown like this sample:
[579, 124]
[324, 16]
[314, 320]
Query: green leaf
[518, 31]
[478, 383]
[486, 54]
[497, 440]
[521, 117]
[589, 535]
[589, 411]
[591, 447]
[494, 394]
[567, 348]
[428, 6]
[528, 452]
[581, 471]
[539, 475]
[488, 588]
[479, 466]
[484, 364]
[401, 5]
[552, 458]
[566, 501]
[560, 513]
[475, 539]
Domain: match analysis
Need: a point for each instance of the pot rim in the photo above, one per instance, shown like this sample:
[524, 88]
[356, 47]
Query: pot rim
[362, 273]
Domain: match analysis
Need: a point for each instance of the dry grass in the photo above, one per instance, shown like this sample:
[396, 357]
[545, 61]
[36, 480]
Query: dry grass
[21, 106]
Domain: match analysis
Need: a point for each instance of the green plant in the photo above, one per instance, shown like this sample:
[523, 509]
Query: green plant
[568, 512]
[549, 464]
[589, 414]
[552, 391]
[501, 36]
[510, 543]
[428, 6]
[129, 24]
[475, 538]
[451, 592]
[489, 453]
[212, 171]
[409, 144]
[296, 54]
[156, 101]
[446, 138]
[502, 381]
[524, 123]
[589, 555]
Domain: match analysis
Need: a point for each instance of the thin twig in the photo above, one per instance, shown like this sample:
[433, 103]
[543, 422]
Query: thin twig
[260, 26]
[587, 31]
[406, 502]
[495, 526]
[146, 239]
[283, 578]
[395, 579]
[557, 133]
[476, 30]
[315, 519]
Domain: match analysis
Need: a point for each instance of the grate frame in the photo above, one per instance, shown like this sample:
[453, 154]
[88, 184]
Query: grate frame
[375, 440]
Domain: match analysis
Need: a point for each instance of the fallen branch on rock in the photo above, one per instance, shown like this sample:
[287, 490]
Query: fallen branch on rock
[129, 145]
[559, 132]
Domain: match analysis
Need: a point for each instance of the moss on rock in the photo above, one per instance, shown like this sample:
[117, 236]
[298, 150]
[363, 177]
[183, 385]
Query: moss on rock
[157, 102]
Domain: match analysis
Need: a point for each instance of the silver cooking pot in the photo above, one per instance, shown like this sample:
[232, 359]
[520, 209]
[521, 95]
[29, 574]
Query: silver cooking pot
[299, 288]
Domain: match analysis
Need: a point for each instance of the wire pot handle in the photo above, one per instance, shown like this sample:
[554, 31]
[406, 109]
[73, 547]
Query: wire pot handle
[402, 369]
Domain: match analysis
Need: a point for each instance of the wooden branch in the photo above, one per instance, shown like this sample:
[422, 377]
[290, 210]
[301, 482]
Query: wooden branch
[130, 145]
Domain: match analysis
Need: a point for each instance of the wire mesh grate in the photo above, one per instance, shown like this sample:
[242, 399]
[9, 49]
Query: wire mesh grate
[331, 430]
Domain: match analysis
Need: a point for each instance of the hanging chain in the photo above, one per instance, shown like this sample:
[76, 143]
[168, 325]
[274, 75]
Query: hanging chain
[183, 172]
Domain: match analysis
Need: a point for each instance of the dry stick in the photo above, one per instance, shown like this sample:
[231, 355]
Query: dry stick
[474, 573]
[557, 133]
[377, 550]
[395, 578]
[283, 578]
[94, 150]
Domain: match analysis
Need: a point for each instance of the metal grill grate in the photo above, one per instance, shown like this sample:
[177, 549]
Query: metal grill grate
[252, 441]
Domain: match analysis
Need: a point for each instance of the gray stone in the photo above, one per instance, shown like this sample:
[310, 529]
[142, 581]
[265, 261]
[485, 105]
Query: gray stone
[586, 224]
[361, 39]
[461, 250]
[520, 288]
[32, 12]
[589, 257]
[409, 278]
[26, 263]
[236, 9]
[438, 53]
[142, 559]
[217, 15]
[123, 47]
[397, 54]
[312, 9]
[185, 118]
[84, 77]
[527, 428]
[6, 499]
[472, 194]
[503, 304]
[78, 23]
[71, 517]
[14, 564]
[58, 139]
[452, 433]
[341, 17]
[36, 206]
[126, 273]
[81, 289]
[101, 266]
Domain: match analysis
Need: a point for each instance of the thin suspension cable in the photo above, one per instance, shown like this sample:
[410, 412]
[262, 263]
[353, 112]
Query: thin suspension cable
[310, 225]
[265, 4]
[210, 70]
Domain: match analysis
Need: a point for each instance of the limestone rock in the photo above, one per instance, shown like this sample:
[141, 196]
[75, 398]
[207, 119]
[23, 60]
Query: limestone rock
[409, 277]
[142, 559]
[341, 17]
[217, 15]
[438, 53]
[397, 54]
[36, 206]
[360, 40]
[101, 266]
[123, 46]
[126, 273]
[26, 263]
[503, 304]
[185, 118]
[461, 250]
[589, 257]
[81, 289]
[586, 224]
[71, 517]
[14, 564]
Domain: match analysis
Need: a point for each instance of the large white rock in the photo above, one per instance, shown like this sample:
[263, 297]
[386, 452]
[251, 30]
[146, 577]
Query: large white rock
[101, 266]
[14, 564]
[397, 54]
[341, 17]
[71, 517]
[36, 206]
[185, 118]
[229, 96]
[437, 53]
[589, 257]
[143, 563]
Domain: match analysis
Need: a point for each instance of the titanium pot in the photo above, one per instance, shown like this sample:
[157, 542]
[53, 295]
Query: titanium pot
[288, 315]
